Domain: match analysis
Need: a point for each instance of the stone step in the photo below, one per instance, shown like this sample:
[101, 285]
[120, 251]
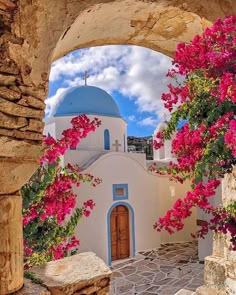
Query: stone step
[185, 292]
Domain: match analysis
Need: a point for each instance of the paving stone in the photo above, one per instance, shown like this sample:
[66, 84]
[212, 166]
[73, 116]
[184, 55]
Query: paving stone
[161, 271]
[116, 274]
[128, 270]
[119, 282]
[168, 291]
[165, 282]
[153, 289]
[144, 281]
[152, 265]
[141, 288]
[148, 293]
[125, 288]
[181, 283]
[147, 274]
[134, 278]
[143, 268]
[159, 276]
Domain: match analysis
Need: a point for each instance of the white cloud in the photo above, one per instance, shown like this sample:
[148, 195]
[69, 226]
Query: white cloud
[149, 121]
[53, 101]
[131, 118]
[135, 72]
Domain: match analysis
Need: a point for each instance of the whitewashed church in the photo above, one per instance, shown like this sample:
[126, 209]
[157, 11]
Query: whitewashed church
[130, 198]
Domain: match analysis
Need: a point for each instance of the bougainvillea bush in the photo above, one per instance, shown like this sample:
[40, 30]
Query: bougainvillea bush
[49, 213]
[205, 147]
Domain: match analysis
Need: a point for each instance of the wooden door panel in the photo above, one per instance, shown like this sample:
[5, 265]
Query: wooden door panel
[114, 237]
[123, 250]
[119, 233]
[123, 224]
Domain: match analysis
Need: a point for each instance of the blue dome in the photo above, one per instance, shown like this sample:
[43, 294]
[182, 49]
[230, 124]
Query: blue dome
[88, 100]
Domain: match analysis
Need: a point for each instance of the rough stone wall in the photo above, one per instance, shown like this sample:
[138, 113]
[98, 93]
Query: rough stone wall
[21, 108]
[21, 126]
[220, 267]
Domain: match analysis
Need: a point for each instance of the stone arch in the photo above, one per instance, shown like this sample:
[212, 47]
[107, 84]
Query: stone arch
[33, 35]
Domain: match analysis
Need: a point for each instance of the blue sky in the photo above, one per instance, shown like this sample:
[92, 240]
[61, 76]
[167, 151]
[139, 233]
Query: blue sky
[134, 76]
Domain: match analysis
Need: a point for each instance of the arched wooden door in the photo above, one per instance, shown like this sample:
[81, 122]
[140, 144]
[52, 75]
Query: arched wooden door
[120, 246]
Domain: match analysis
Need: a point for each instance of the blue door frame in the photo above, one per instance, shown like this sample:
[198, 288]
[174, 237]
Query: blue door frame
[131, 212]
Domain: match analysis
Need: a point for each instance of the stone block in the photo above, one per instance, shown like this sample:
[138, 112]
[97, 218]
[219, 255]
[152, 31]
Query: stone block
[184, 292]
[218, 245]
[84, 273]
[32, 102]
[34, 125]
[211, 291]
[36, 92]
[14, 174]
[12, 122]
[12, 148]
[9, 93]
[104, 291]
[9, 68]
[14, 109]
[228, 188]
[22, 134]
[7, 5]
[11, 243]
[230, 285]
[7, 80]
[214, 271]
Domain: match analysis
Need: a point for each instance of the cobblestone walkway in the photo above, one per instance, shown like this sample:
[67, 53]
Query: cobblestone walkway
[162, 271]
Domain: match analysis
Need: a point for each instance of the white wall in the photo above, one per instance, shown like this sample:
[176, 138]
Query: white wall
[164, 187]
[50, 128]
[95, 140]
[115, 168]
[149, 197]
[86, 158]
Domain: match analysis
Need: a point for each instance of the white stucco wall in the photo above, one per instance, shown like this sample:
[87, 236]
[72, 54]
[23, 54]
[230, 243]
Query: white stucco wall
[95, 140]
[168, 193]
[50, 128]
[149, 196]
[115, 168]
[85, 158]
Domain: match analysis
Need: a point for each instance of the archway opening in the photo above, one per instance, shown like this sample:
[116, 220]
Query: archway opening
[31, 48]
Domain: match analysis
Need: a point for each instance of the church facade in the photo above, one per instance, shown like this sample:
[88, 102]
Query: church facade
[130, 198]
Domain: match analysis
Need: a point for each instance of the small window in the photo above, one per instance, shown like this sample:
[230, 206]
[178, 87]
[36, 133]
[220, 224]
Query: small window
[120, 192]
[106, 140]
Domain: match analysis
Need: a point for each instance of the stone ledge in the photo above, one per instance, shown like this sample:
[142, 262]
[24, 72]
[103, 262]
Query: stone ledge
[211, 291]
[84, 273]
[185, 292]
[214, 271]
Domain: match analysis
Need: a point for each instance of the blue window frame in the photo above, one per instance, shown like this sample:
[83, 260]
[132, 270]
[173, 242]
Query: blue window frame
[106, 140]
[120, 191]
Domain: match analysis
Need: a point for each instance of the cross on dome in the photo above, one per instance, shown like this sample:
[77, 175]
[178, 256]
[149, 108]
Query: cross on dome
[85, 78]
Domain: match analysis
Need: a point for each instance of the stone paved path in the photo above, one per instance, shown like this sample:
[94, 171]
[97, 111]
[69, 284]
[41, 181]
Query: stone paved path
[162, 271]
